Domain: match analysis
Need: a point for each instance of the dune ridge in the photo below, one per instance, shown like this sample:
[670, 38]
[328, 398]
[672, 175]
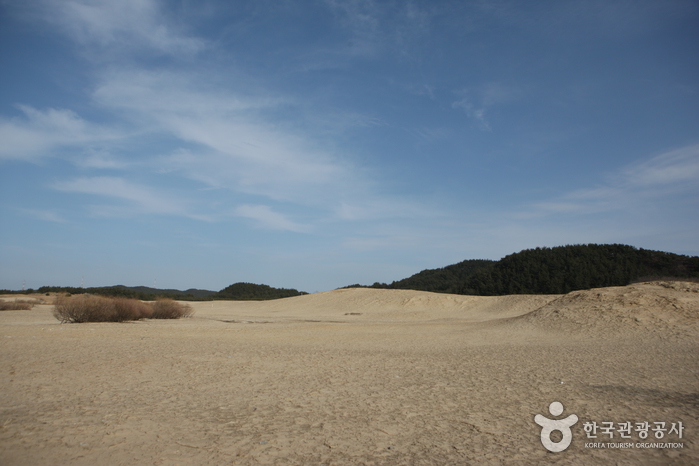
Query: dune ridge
[652, 307]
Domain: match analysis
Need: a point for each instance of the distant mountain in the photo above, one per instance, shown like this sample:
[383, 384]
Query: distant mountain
[237, 291]
[554, 270]
[155, 291]
[137, 292]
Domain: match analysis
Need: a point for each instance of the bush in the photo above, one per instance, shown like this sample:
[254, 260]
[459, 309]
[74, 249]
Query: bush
[15, 306]
[86, 308]
[170, 309]
[130, 309]
[93, 308]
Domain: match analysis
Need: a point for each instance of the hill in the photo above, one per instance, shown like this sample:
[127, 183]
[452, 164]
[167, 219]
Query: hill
[235, 292]
[194, 292]
[136, 292]
[564, 269]
[556, 270]
[252, 292]
[444, 280]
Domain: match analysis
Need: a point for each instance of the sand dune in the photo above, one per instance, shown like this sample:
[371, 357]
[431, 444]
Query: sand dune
[355, 376]
[375, 305]
[663, 308]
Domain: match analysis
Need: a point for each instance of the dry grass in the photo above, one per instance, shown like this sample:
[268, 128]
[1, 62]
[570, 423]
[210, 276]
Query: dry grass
[91, 308]
[19, 304]
[14, 306]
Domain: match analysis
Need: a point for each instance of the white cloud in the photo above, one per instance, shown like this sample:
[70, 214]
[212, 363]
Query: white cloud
[158, 92]
[141, 199]
[234, 141]
[654, 180]
[135, 24]
[670, 169]
[227, 133]
[40, 131]
[267, 218]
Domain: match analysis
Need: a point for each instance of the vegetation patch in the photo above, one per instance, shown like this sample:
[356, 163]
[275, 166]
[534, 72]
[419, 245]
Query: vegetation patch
[93, 308]
[557, 270]
[170, 309]
[19, 304]
[236, 292]
[252, 292]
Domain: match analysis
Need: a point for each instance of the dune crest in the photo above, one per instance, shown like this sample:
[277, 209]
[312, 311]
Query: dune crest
[659, 306]
[376, 305]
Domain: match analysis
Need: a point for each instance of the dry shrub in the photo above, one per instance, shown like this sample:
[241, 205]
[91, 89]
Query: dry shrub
[31, 301]
[91, 308]
[170, 309]
[17, 305]
[84, 308]
[130, 309]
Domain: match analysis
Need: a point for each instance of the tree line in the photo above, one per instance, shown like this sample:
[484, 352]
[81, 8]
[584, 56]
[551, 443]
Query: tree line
[556, 270]
[236, 292]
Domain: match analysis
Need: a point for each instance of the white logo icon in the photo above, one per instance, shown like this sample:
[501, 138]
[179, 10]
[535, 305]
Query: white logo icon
[561, 425]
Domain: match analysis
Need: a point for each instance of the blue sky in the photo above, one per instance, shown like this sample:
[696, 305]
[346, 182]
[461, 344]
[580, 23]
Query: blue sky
[316, 144]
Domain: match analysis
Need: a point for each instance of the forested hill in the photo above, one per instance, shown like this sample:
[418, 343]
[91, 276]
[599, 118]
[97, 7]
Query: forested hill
[251, 291]
[121, 291]
[158, 292]
[554, 270]
[449, 279]
[568, 268]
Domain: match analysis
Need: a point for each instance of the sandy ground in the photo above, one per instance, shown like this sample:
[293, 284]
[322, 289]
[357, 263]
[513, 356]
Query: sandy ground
[356, 376]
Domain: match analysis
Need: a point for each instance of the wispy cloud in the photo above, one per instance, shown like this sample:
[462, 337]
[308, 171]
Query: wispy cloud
[227, 141]
[361, 19]
[132, 24]
[140, 199]
[474, 112]
[38, 132]
[228, 134]
[267, 218]
[384, 208]
[678, 168]
[373, 28]
[100, 159]
[382, 243]
[477, 102]
[45, 215]
[670, 173]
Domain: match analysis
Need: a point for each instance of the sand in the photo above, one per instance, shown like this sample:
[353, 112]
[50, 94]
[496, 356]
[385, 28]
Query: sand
[356, 376]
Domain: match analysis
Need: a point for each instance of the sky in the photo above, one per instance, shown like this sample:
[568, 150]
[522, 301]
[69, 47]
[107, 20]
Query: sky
[317, 144]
